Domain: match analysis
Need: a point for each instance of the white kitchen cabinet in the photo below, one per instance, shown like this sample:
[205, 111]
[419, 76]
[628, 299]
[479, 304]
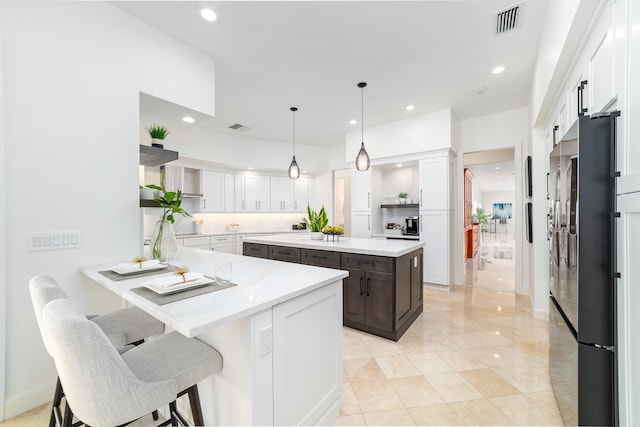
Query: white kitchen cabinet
[435, 183]
[300, 194]
[252, 193]
[435, 232]
[198, 242]
[213, 191]
[601, 62]
[281, 194]
[229, 192]
[360, 190]
[361, 224]
[222, 243]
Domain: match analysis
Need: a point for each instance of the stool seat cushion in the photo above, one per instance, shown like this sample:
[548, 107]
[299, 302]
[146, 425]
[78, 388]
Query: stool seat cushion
[128, 325]
[173, 356]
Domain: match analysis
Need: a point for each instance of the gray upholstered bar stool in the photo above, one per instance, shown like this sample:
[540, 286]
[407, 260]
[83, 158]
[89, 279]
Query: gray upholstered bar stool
[105, 388]
[122, 327]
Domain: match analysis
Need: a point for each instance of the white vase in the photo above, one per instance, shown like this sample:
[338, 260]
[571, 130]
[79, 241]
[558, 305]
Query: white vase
[316, 235]
[155, 142]
[163, 241]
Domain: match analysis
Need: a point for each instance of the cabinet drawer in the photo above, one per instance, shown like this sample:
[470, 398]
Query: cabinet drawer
[221, 239]
[367, 262]
[320, 258]
[281, 253]
[255, 250]
[197, 241]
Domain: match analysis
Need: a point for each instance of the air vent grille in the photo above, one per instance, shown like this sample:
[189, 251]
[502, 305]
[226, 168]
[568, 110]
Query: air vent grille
[239, 127]
[507, 20]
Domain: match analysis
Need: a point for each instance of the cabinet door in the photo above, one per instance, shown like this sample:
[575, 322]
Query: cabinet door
[601, 63]
[223, 247]
[353, 296]
[416, 280]
[239, 193]
[257, 190]
[361, 224]
[281, 194]
[434, 183]
[212, 186]
[360, 190]
[229, 192]
[379, 300]
[300, 195]
[435, 233]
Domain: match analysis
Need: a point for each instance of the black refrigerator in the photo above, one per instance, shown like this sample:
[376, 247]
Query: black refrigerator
[582, 278]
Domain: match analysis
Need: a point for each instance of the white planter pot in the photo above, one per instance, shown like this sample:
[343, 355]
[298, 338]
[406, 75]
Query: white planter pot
[316, 235]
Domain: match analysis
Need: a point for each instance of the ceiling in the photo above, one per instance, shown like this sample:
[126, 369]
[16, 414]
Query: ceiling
[273, 55]
[498, 176]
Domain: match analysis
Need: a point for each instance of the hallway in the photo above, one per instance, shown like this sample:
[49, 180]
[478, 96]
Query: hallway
[493, 267]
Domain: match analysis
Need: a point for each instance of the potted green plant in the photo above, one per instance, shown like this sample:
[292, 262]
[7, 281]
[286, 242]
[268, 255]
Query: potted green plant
[163, 239]
[316, 221]
[158, 133]
[403, 198]
[482, 218]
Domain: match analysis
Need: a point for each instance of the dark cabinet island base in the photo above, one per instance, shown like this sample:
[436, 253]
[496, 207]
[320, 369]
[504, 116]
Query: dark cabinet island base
[381, 296]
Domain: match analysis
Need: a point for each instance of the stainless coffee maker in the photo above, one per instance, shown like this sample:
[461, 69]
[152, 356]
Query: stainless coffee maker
[412, 226]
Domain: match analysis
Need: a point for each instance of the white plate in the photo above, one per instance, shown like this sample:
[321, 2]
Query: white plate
[180, 287]
[126, 271]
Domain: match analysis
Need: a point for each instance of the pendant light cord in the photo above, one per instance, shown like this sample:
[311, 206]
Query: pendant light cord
[362, 111]
[294, 133]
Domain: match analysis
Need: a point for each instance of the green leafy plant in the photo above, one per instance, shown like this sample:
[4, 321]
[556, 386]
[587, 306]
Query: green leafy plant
[158, 132]
[170, 202]
[316, 221]
[482, 218]
[403, 195]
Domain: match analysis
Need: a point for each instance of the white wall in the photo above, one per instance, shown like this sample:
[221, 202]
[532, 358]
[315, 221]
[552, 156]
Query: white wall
[508, 129]
[415, 135]
[72, 70]
[3, 269]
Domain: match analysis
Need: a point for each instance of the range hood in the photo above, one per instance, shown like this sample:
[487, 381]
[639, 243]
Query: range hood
[154, 156]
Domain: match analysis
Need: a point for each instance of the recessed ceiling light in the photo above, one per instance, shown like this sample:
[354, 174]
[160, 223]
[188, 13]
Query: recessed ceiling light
[250, 168]
[399, 165]
[208, 14]
[496, 168]
[497, 70]
[353, 122]
[410, 107]
[188, 119]
[305, 171]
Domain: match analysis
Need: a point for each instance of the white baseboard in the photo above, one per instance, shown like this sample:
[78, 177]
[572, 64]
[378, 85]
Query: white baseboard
[437, 287]
[330, 415]
[27, 400]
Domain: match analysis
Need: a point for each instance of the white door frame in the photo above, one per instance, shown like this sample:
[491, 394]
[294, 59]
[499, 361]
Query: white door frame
[517, 212]
[3, 239]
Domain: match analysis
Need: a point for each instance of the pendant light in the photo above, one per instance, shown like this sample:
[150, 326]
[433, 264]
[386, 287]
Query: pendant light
[294, 170]
[362, 160]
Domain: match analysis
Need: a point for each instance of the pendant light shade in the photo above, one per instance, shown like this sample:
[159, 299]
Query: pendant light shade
[362, 160]
[294, 169]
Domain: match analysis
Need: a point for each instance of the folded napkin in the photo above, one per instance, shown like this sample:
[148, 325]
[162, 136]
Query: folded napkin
[175, 279]
[137, 265]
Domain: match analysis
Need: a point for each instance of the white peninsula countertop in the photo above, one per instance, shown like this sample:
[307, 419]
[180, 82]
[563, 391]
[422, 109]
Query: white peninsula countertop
[380, 247]
[279, 331]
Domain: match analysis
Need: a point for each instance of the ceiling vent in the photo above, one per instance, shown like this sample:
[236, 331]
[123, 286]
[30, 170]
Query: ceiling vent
[507, 20]
[239, 127]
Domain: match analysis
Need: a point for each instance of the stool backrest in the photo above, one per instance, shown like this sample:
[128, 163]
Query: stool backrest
[44, 289]
[99, 386]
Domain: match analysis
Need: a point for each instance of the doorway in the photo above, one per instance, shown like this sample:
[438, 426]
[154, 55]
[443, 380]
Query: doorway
[342, 199]
[491, 200]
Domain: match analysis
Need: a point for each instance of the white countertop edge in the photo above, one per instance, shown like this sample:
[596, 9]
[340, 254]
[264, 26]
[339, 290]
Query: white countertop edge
[156, 311]
[327, 246]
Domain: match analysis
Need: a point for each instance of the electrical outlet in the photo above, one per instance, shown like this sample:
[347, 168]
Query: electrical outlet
[265, 341]
[54, 240]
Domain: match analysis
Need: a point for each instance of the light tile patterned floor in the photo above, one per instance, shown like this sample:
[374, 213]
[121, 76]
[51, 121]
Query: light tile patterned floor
[474, 357]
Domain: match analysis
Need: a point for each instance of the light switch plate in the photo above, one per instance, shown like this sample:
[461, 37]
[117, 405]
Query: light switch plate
[48, 241]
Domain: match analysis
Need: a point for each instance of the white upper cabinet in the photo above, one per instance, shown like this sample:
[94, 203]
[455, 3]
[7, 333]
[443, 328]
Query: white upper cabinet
[301, 190]
[229, 192]
[601, 63]
[213, 191]
[252, 193]
[361, 190]
[435, 177]
[281, 194]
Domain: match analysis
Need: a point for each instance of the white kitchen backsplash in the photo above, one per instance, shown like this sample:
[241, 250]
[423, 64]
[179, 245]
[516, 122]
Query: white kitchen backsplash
[219, 222]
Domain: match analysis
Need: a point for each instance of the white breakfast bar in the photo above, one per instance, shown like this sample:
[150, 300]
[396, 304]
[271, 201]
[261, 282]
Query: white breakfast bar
[279, 332]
